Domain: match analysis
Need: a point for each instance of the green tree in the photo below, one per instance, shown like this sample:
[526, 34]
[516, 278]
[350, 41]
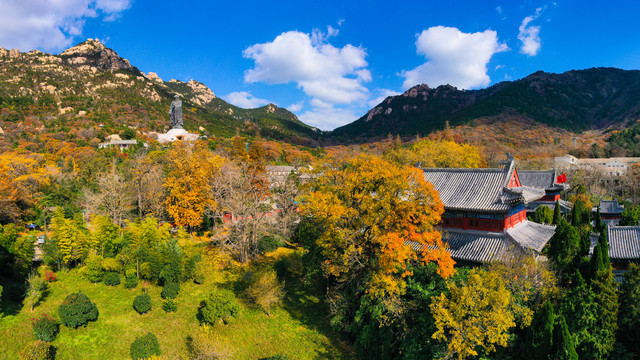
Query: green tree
[629, 312]
[265, 290]
[543, 215]
[539, 338]
[557, 214]
[563, 346]
[70, 237]
[564, 247]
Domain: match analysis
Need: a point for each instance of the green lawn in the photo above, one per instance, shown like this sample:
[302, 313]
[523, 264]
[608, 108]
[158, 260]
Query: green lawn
[298, 329]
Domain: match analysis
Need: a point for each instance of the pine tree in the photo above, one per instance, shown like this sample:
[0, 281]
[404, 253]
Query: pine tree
[563, 346]
[629, 312]
[540, 334]
[598, 219]
[557, 214]
[564, 247]
[606, 299]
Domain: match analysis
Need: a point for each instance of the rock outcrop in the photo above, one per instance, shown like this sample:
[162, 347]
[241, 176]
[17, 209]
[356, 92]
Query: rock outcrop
[93, 53]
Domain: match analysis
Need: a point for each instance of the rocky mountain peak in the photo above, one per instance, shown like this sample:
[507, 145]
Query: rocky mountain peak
[202, 95]
[93, 53]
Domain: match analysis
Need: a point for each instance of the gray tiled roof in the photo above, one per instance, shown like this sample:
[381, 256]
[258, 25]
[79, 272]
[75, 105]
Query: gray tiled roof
[473, 189]
[484, 246]
[611, 207]
[537, 179]
[624, 242]
[531, 235]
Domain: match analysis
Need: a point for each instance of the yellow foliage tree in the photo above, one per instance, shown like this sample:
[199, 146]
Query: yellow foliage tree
[189, 182]
[371, 211]
[476, 314]
[441, 153]
[21, 178]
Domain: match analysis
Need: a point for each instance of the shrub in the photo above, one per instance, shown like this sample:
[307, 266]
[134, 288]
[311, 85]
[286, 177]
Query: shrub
[144, 347]
[49, 276]
[112, 278]
[111, 264]
[198, 278]
[170, 290]
[170, 305]
[221, 304]
[77, 310]
[142, 303]
[130, 272]
[131, 282]
[45, 328]
[37, 350]
[207, 344]
[265, 290]
[35, 290]
[270, 243]
[93, 268]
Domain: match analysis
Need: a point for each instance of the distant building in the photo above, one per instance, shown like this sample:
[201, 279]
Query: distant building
[546, 180]
[485, 213]
[277, 174]
[120, 144]
[610, 211]
[615, 166]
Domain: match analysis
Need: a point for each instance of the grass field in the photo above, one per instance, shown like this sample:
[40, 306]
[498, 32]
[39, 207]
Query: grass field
[298, 329]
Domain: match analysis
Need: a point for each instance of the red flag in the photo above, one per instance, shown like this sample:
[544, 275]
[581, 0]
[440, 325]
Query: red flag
[562, 179]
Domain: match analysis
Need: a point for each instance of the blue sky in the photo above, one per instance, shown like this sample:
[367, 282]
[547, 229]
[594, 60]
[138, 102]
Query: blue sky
[331, 61]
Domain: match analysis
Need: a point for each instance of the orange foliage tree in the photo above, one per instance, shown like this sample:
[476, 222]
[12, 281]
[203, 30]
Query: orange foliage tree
[21, 178]
[372, 215]
[188, 184]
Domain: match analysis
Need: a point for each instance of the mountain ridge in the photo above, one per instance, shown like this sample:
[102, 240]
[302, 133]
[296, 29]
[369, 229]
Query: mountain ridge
[594, 98]
[91, 84]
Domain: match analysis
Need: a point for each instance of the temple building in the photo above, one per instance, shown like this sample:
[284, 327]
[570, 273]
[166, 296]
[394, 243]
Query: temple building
[610, 211]
[485, 213]
[547, 180]
[624, 248]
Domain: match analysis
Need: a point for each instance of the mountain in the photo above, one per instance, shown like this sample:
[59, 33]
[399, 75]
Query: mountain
[91, 86]
[575, 100]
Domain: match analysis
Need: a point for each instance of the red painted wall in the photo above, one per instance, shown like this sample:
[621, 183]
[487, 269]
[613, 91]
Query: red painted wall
[485, 224]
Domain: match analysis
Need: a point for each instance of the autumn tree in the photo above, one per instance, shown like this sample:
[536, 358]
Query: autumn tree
[265, 290]
[285, 195]
[21, 180]
[113, 199]
[147, 183]
[240, 192]
[191, 168]
[442, 153]
[372, 218]
[475, 315]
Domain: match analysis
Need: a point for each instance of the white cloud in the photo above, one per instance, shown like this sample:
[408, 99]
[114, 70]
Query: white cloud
[296, 107]
[328, 117]
[51, 25]
[384, 93]
[322, 71]
[453, 57]
[245, 100]
[529, 35]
